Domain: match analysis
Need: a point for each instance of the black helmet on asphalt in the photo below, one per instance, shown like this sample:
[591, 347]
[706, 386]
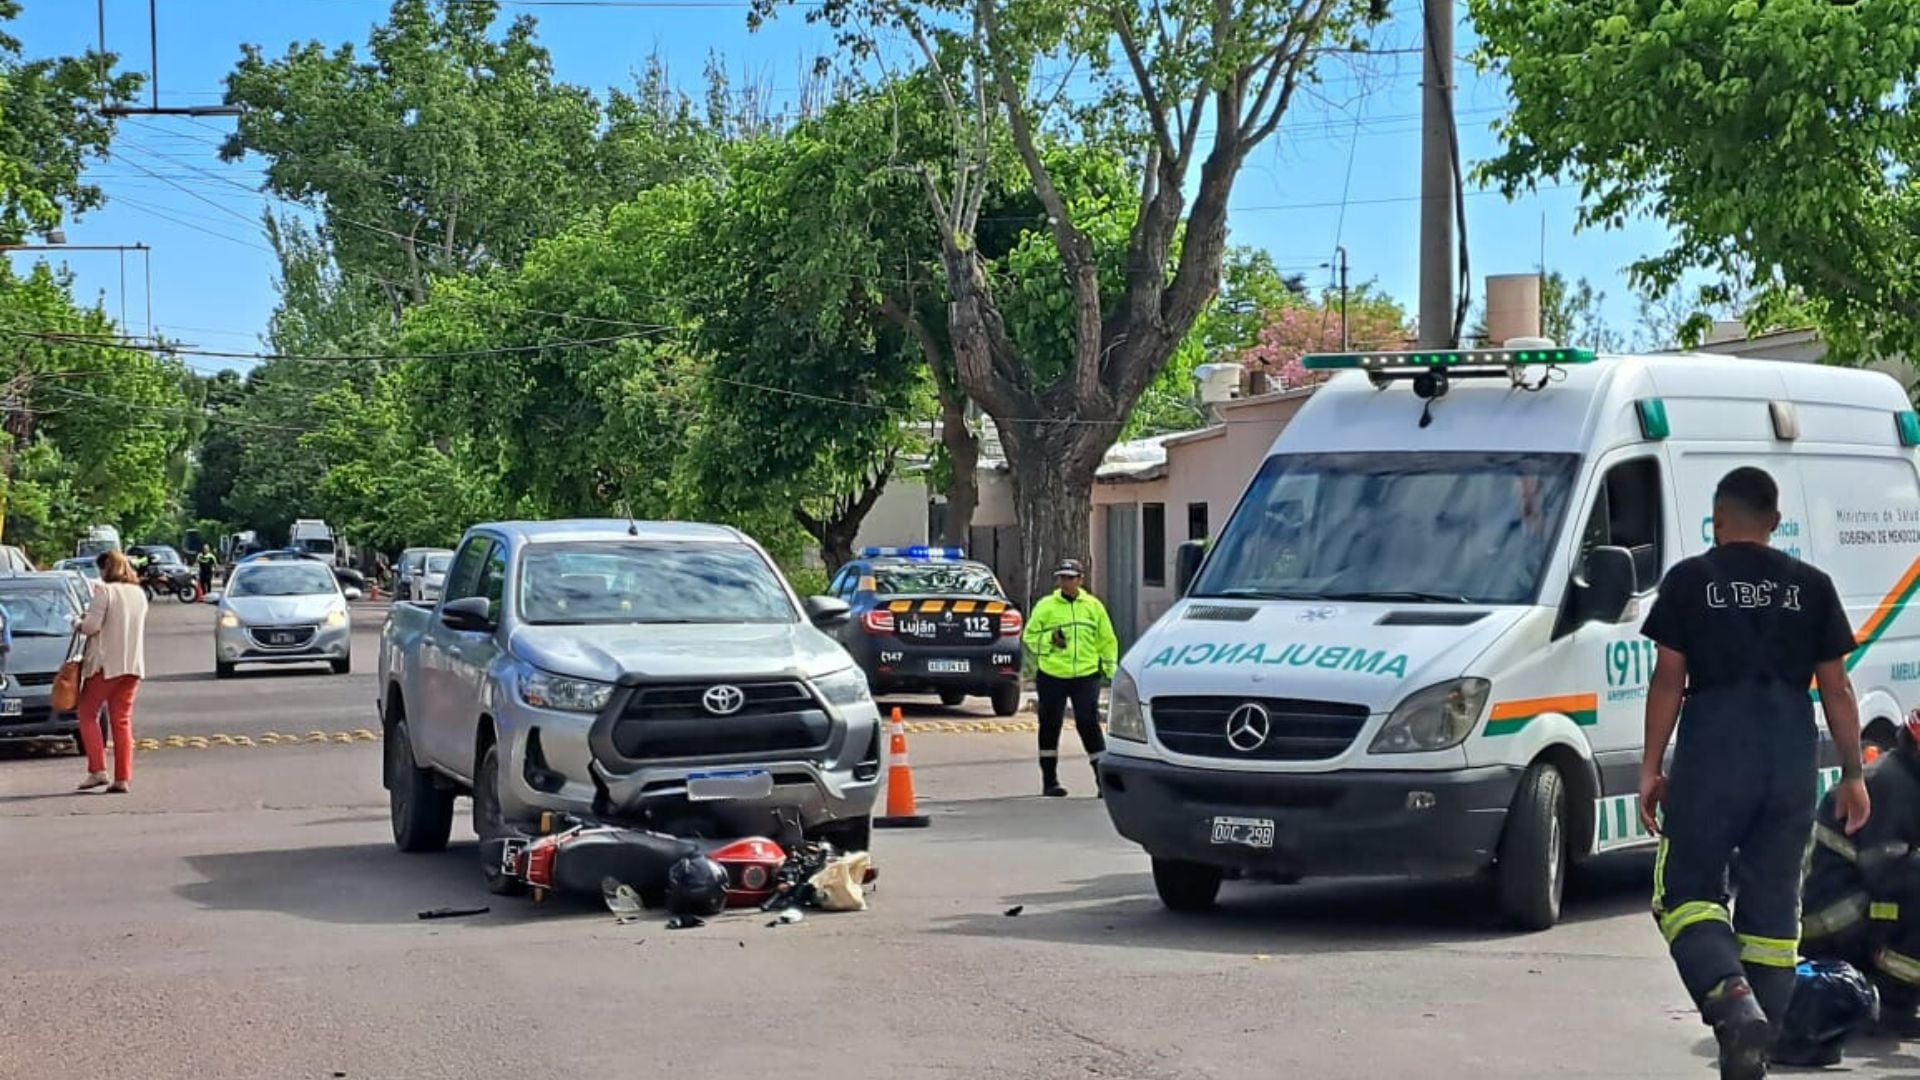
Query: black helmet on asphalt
[696, 885]
[1832, 1002]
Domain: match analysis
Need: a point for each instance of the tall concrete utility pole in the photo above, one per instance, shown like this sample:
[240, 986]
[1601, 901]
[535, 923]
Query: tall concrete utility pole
[1438, 270]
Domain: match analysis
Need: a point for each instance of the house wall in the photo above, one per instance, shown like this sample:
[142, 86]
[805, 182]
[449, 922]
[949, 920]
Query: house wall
[898, 517]
[1210, 467]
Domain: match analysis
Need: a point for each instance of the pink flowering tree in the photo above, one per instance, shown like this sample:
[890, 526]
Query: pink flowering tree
[1294, 330]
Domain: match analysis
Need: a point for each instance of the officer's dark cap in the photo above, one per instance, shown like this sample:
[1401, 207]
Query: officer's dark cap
[1750, 489]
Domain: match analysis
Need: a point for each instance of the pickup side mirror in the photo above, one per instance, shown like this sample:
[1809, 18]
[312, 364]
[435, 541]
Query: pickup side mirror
[1186, 564]
[827, 611]
[1607, 586]
[469, 613]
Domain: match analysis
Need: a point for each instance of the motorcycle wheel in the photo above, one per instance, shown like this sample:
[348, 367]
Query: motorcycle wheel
[185, 592]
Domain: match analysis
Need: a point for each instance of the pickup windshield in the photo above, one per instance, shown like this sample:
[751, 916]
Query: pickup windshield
[283, 579]
[1393, 527]
[641, 582]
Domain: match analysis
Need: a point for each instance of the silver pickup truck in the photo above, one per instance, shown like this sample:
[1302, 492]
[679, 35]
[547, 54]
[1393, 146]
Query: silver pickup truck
[655, 674]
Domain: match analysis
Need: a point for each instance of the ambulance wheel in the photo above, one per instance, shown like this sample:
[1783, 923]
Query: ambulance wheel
[1184, 886]
[951, 698]
[490, 822]
[1006, 699]
[1531, 876]
[421, 810]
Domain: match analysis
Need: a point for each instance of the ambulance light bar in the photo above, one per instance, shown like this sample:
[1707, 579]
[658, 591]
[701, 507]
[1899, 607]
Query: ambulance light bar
[917, 551]
[1388, 361]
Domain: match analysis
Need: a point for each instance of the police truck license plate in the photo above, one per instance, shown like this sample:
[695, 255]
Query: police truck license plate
[949, 667]
[729, 784]
[10, 706]
[1243, 832]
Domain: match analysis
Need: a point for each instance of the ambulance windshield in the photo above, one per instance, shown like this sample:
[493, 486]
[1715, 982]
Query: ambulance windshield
[1466, 528]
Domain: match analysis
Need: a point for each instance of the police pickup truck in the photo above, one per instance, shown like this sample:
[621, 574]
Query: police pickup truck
[661, 675]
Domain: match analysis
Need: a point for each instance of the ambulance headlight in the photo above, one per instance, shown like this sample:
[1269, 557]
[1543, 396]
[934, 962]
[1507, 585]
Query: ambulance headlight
[1124, 718]
[1437, 718]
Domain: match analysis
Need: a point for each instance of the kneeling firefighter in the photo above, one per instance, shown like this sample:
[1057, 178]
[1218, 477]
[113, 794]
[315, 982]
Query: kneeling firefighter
[1861, 899]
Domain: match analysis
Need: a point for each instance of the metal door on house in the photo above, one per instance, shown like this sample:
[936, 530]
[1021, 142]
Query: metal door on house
[1117, 582]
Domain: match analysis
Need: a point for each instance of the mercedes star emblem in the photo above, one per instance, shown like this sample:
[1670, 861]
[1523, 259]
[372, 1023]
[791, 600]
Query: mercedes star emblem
[724, 700]
[1248, 727]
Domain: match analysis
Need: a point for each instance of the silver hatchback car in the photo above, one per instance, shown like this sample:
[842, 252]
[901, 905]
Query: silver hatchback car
[290, 612]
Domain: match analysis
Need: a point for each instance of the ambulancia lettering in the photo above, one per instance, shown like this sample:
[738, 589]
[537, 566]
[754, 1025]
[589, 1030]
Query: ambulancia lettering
[1328, 657]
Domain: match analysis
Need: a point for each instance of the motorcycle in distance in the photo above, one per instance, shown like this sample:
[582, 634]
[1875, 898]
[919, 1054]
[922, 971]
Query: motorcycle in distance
[164, 580]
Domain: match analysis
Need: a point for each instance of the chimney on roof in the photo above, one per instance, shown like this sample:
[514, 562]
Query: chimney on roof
[1513, 307]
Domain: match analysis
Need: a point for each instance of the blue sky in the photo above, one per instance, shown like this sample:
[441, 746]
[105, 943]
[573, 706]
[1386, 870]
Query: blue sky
[1343, 168]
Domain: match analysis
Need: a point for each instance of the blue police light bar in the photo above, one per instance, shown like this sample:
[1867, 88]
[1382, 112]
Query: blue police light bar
[1445, 358]
[917, 551]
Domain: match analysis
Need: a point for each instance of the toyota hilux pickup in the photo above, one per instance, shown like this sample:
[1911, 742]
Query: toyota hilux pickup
[659, 675]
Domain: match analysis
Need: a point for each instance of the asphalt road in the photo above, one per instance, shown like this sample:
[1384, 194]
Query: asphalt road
[242, 914]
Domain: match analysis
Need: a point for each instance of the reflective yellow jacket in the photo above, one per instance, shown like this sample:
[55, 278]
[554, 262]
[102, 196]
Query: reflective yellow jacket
[1091, 647]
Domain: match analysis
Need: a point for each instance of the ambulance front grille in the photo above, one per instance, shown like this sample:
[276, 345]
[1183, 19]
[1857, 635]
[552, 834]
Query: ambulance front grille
[1294, 730]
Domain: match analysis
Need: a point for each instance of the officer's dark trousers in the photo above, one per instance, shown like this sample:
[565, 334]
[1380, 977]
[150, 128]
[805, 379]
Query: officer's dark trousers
[1055, 694]
[1738, 815]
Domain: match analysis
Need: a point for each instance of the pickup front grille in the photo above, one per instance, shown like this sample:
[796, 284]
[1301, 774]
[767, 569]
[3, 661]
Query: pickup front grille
[1294, 730]
[672, 721]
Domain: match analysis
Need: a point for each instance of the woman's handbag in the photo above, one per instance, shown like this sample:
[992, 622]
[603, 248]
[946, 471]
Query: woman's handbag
[66, 684]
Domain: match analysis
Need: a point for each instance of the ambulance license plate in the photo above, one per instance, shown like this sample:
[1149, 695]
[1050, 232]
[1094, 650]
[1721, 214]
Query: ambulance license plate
[949, 667]
[1243, 832]
[730, 784]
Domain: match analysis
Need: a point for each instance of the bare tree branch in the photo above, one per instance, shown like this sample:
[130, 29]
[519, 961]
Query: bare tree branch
[1076, 251]
[1149, 94]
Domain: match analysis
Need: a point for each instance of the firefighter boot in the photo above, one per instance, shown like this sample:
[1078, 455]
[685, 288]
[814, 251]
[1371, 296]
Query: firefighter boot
[1740, 1027]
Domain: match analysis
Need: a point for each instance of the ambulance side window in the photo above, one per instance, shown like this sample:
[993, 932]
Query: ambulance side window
[1626, 513]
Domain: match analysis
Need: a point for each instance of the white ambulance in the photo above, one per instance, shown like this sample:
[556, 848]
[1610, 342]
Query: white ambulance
[1414, 649]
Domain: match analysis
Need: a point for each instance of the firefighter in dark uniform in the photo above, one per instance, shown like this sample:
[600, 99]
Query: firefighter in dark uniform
[1742, 631]
[1861, 900]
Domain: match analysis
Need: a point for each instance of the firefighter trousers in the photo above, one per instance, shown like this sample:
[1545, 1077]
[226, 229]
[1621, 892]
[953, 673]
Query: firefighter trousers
[1736, 822]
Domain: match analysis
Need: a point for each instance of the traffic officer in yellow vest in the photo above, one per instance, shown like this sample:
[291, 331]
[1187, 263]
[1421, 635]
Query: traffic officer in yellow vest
[1073, 644]
[1861, 900]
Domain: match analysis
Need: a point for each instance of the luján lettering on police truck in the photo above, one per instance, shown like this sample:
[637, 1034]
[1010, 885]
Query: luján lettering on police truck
[1415, 647]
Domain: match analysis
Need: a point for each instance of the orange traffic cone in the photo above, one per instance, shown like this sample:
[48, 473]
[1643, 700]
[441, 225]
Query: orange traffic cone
[902, 810]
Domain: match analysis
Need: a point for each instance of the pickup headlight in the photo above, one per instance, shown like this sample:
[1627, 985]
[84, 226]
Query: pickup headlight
[229, 620]
[1124, 718]
[545, 691]
[1437, 718]
[848, 687]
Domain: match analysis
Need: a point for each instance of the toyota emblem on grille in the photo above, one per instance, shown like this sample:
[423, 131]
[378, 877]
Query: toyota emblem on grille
[1248, 727]
[724, 700]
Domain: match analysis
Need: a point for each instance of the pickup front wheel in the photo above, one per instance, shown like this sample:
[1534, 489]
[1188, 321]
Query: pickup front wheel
[422, 811]
[490, 823]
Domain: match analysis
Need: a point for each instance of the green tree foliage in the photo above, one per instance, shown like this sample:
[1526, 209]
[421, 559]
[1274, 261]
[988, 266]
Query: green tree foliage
[1777, 138]
[589, 410]
[1183, 93]
[384, 484]
[93, 429]
[50, 125]
[445, 148]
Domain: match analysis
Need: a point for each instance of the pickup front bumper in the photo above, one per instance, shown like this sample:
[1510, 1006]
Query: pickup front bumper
[642, 759]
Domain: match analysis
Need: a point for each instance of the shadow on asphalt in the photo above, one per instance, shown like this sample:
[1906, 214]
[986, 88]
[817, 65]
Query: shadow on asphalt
[362, 884]
[1315, 916]
[286, 671]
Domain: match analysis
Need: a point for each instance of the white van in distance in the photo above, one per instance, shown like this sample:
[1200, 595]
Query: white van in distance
[1414, 648]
